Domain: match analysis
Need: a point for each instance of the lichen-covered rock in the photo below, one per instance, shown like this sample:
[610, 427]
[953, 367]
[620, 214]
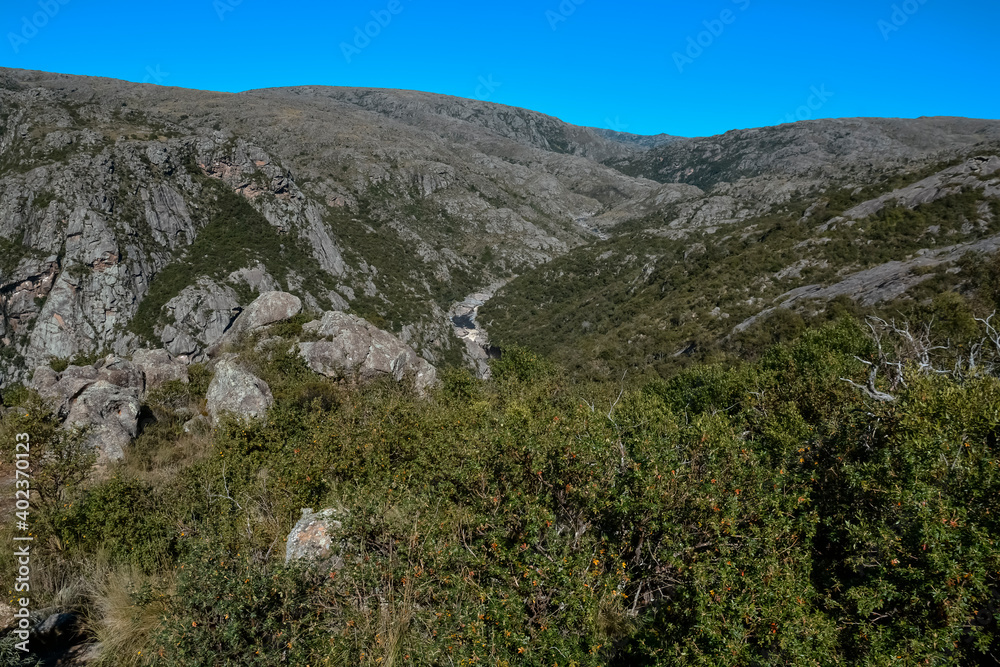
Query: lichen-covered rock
[352, 346]
[234, 390]
[314, 538]
[268, 308]
[104, 399]
[158, 367]
[201, 313]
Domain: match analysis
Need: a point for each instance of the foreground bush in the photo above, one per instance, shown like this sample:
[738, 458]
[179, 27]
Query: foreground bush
[770, 514]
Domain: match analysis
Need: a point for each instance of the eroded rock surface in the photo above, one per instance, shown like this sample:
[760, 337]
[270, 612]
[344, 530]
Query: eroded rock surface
[104, 399]
[158, 367]
[237, 391]
[315, 538]
[268, 308]
[351, 346]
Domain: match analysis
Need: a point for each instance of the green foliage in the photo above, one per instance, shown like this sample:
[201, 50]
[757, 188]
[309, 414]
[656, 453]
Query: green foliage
[651, 304]
[762, 513]
[520, 364]
[12, 251]
[291, 328]
[58, 365]
[126, 519]
[16, 394]
[233, 236]
[982, 273]
[199, 377]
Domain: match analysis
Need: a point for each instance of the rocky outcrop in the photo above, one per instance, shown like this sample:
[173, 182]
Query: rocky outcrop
[158, 368]
[200, 314]
[878, 284]
[978, 172]
[315, 538]
[353, 347]
[235, 391]
[103, 399]
[268, 308]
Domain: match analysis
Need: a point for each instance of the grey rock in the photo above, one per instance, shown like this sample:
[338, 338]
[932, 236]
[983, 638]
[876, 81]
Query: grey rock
[158, 367]
[315, 538]
[55, 632]
[236, 391]
[353, 346]
[201, 314]
[255, 277]
[268, 308]
[103, 399]
[197, 424]
[970, 174]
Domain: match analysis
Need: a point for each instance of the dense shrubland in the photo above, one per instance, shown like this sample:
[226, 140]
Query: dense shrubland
[762, 512]
[652, 304]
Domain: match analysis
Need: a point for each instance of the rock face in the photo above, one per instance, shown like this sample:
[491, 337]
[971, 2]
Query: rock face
[57, 631]
[234, 390]
[313, 538]
[158, 367]
[352, 346]
[977, 172]
[268, 308]
[201, 313]
[104, 399]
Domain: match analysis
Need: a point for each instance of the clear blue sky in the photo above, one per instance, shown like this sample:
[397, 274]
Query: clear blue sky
[633, 66]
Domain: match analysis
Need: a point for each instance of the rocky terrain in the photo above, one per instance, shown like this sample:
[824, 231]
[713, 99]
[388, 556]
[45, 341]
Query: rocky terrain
[142, 217]
[241, 307]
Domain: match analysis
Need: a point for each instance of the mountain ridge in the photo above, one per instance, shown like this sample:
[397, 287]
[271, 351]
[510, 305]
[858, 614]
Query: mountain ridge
[395, 205]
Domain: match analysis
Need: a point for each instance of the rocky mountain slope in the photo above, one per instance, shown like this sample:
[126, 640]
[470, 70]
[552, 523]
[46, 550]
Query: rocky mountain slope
[133, 214]
[136, 216]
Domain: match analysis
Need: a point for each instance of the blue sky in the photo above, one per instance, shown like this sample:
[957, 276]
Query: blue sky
[683, 68]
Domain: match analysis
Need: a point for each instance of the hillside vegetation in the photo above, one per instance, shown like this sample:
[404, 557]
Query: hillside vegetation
[765, 513]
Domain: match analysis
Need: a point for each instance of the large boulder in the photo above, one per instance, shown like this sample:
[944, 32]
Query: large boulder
[268, 308]
[201, 313]
[159, 367]
[350, 345]
[236, 391]
[104, 399]
[111, 416]
[313, 538]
